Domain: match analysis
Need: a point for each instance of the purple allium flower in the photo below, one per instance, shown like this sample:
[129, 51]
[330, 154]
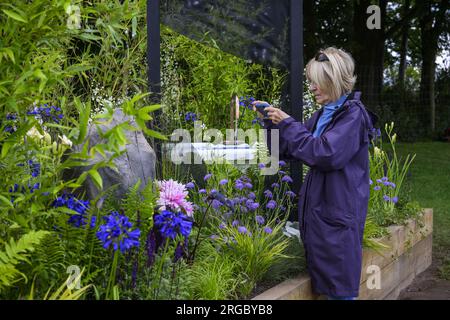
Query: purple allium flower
[376, 188]
[223, 181]
[202, 191]
[268, 194]
[235, 223]
[271, 204]
[394, 199]
[207, 176]
[172, 195]
[386, 198]
[170, 224]
[282, 163]
[259, 219]
[275, 185]
[287, 179]
[117, 232]
[251, 196]
[190, 185]
[261, 166]
[268, 230]
[242, 229]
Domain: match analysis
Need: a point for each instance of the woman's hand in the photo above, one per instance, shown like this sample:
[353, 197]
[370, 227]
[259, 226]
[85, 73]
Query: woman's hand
[275, 114]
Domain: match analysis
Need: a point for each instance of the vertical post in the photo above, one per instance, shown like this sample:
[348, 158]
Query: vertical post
[154, 69]
[296, 77]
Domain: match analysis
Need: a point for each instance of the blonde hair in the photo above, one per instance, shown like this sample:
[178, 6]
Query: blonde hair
[334, 76]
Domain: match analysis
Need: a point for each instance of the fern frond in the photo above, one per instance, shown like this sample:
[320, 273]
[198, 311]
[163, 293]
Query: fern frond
[15, 252]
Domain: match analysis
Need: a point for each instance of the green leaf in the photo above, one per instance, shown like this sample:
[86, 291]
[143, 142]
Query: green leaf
[10, 54]
[6, 201]
[154, 134]
[5, 148]
[143, 113]
[96, 178]
[15, 16]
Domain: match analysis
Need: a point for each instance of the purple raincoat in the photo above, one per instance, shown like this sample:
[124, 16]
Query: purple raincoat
[334, 197]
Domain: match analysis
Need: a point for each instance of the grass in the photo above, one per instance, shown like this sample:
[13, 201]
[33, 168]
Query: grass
[429, 181]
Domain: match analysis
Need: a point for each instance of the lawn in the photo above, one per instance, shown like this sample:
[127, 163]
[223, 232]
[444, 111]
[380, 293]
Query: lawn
[429, 181]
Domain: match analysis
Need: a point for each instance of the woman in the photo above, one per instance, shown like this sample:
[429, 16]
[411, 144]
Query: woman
[334, 197]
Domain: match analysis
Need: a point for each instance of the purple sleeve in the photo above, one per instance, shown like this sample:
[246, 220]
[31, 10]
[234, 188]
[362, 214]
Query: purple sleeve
[331, 151]
[283, 146]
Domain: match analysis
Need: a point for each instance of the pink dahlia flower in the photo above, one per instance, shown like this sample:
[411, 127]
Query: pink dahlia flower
[172, 196]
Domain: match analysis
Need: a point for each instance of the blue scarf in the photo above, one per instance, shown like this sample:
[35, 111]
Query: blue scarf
[328, 111]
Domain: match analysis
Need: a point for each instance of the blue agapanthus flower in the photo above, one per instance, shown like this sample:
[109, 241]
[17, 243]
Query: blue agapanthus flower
[190, 116]
[117, 232]
[171, 224]
[47, 114]
[79, 206]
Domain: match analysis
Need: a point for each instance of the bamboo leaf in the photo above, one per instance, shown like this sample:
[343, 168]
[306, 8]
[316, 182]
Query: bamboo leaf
[15, 15]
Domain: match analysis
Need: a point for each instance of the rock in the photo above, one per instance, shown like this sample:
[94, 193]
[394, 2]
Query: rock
[137, 162]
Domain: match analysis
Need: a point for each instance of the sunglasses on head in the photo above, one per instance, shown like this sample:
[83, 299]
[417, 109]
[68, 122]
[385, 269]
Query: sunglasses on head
[321, 57]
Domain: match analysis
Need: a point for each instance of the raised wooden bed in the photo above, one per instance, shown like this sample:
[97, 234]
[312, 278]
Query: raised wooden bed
[409, 254]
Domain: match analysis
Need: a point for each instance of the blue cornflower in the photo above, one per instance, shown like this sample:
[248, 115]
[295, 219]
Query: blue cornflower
[281, 163]
[190, 185]
[259, 219]
[117, 232]
[271, 204]
[242, 229]
[239, 184]
[251, 205]
[376, 188]
[290, 194]
[268, 194]
[207, 176]
[386, 198]
[223, 181]
[394, 199]
[35, 168]
[202, 191]
[216, 204]
[234, 223]
[248, 185]
[170, 224]
[275, 185]
[370, 182]
[251, 196]
[268, 230]
[287, 179]
[261, 165]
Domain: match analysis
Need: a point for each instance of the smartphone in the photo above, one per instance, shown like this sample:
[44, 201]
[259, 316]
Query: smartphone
[260, 108]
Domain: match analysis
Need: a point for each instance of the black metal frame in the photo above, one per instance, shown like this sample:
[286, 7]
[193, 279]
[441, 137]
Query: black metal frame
[295, 98]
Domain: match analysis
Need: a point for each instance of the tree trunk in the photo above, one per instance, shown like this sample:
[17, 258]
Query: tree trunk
[431, 24]
[310, 29]
[368, 51]
[403, 49]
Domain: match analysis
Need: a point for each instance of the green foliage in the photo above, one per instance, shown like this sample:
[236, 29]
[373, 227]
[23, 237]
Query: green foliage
[16, 252]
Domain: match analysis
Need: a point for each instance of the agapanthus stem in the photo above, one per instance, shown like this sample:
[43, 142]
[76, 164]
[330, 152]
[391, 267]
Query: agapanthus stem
[112, 276]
